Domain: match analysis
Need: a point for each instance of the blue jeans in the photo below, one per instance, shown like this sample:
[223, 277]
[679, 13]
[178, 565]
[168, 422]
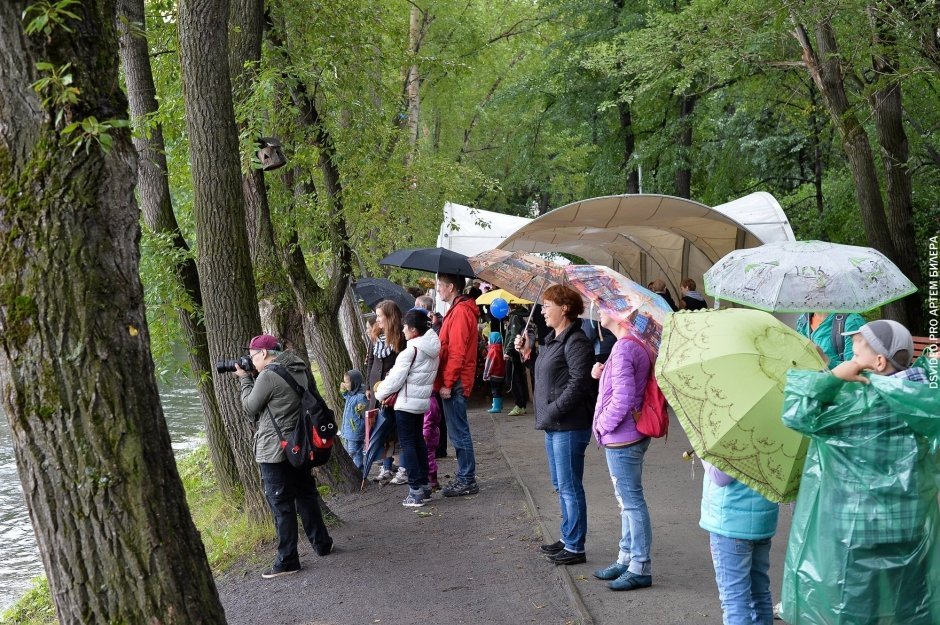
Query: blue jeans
[636, 532]
[290, 492]
[565, 452]
[458, 429]
[356, 451]
[741, 571]
[414, 452]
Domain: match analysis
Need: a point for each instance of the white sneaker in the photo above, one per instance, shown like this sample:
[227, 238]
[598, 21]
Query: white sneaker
[384, 474]
[401, 477]
[777, 608]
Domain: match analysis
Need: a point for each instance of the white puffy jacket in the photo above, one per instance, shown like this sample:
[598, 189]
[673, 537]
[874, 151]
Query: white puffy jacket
[413, 374]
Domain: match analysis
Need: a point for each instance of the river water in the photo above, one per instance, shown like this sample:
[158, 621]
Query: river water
[19, 556]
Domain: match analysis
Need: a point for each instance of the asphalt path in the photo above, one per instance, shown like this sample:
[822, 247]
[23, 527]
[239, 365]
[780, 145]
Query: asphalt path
[683, 588]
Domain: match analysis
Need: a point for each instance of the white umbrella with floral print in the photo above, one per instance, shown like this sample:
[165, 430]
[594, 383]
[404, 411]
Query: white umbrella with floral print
[807, 276]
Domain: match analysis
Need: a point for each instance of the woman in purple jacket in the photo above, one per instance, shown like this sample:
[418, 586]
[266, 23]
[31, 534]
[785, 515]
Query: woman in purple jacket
[622, 381]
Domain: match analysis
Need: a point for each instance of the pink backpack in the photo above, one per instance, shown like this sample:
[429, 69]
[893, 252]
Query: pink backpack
[652, 418]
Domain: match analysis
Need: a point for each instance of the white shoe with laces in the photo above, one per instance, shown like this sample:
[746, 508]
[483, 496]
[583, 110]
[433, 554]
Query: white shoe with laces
[401, 477]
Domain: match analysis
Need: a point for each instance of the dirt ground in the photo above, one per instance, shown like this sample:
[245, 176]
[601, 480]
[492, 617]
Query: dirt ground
[475, 559]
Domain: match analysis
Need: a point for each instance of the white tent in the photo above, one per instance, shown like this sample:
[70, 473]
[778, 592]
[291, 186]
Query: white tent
[654, 236]
[642, 236]
[471, 230]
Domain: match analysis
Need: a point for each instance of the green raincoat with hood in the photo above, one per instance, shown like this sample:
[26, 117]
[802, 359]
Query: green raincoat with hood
[863, 544]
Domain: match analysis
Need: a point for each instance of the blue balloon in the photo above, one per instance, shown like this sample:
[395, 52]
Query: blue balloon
[499, 308]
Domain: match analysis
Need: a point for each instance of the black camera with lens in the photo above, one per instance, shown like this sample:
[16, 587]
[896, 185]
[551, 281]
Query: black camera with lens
[228, 366]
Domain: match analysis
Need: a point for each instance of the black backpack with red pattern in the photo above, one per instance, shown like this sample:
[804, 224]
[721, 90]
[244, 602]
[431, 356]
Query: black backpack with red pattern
[311, 441]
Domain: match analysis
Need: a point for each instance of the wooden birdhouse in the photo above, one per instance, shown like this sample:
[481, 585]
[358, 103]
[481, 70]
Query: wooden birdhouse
[270, 154]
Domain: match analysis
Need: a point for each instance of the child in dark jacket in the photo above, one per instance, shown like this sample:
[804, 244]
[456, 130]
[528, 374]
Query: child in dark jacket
[494, 370]
[353, 430]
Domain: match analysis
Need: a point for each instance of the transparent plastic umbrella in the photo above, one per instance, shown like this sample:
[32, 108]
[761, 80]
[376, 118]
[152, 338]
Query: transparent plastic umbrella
[636, 308]
[807, 276]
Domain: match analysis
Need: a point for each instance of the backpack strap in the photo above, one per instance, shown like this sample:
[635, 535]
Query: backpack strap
[287, 377]
[838, 341]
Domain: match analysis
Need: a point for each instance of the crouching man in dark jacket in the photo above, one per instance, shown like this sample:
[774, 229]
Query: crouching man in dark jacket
[290, 491]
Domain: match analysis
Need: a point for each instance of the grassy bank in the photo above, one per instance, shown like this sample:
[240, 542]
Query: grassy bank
[226, 533]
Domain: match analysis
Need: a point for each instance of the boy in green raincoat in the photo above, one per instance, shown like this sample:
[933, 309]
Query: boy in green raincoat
[863, 545]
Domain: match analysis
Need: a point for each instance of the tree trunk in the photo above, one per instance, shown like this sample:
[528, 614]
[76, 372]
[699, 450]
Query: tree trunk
[825, 68]
[416, 25]
[154, 190]
[631, 175]
[230, 301]
[684, 143]
[76, 375]
[246, 30]
[354, 329]
[889, 127]
[816, 143]
[320, 306]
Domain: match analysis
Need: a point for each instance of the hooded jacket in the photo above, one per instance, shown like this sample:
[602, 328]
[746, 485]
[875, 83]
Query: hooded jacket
[353, 428]
[459, 346]
[694, 301]
[267, 392]
[564, 391]
[622, 384]
[494, 368]
[413, 374]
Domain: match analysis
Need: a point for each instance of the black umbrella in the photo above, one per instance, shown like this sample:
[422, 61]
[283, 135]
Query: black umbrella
[433, 259]
[374, 290]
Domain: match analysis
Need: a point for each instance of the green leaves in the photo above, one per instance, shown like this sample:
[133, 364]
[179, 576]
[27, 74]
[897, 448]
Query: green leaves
[90, 131]
[45, 16]
[56, 88]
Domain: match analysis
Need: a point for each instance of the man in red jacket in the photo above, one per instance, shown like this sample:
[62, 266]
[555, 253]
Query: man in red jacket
[455, 378]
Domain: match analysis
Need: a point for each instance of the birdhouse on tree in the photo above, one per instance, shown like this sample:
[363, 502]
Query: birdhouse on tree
[270, 154]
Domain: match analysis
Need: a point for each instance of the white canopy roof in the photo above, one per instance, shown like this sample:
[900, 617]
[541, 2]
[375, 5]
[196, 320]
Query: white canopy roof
[654, 236]
[472, 230]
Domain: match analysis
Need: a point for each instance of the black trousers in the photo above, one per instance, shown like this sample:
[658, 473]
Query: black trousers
[290, 492]
[517, 382]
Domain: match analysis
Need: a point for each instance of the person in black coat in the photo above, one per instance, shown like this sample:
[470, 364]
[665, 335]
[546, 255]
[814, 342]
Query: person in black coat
[658, 287]
[691, 299]
[564, 399]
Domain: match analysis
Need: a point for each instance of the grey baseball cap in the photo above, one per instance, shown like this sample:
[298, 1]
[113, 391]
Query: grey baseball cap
[890, 339]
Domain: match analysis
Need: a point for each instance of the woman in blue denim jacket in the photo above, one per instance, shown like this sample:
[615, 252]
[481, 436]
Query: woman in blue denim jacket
[741, 523]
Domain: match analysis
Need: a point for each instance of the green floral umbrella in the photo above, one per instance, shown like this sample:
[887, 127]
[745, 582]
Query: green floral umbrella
[807, 276]
[723, 372]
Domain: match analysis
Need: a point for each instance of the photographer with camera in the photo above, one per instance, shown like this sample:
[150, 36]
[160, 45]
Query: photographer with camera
[268, 398]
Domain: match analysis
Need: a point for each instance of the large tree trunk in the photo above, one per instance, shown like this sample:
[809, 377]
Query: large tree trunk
[279, 311]
[76, 376]
[230, 300]
[825, 68]
[416, 24]
[684, 143]
[631, 175]
[354, 329]
[816, 143]
[889, 127]
[320, 305]
[154, 190]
